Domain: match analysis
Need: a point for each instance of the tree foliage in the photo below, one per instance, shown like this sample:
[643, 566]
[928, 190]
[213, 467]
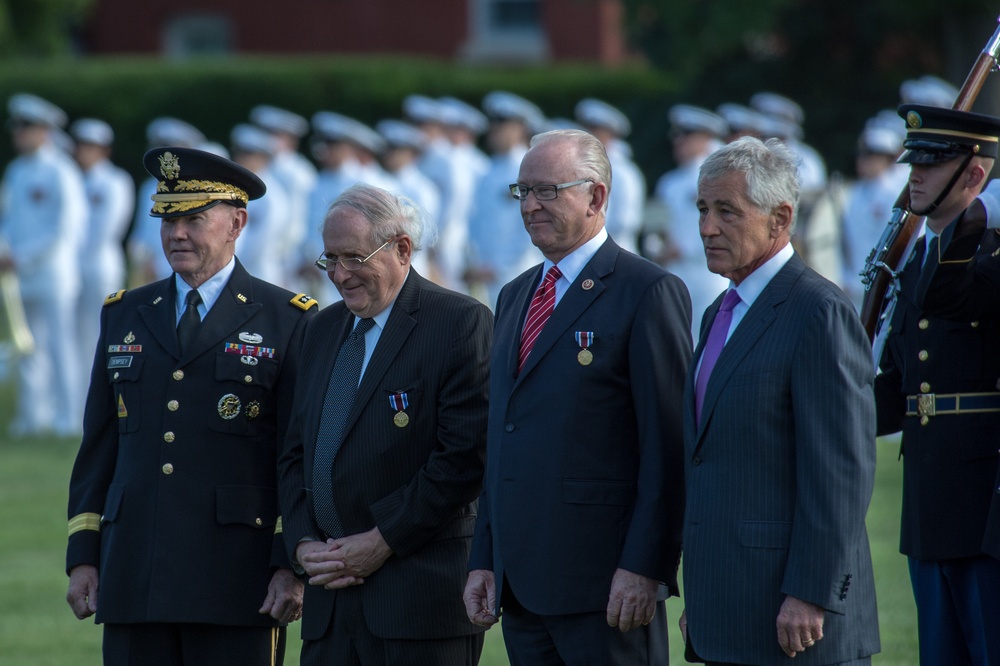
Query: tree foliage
[39, 27]
[841, 60]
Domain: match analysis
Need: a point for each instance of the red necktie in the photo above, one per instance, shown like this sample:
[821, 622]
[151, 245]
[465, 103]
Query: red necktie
[542, 304]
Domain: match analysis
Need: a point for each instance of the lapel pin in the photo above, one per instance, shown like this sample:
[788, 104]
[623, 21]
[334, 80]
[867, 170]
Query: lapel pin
[588, 284]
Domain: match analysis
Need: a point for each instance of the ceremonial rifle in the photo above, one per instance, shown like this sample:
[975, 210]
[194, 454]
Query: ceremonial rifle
[888, 256]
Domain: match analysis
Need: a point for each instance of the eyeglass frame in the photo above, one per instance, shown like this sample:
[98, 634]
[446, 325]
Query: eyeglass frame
[324, 262]
[515, 189]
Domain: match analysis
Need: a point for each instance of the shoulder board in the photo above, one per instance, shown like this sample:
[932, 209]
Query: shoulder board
[115, 297]
[303, 302]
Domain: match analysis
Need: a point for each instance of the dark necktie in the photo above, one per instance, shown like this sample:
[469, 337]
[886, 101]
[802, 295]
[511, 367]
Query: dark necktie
[713, 347]
[336, 406]
[187, 327]
[542, 305]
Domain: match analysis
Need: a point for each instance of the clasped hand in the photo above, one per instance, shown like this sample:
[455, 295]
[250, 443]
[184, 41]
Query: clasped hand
[339, 563]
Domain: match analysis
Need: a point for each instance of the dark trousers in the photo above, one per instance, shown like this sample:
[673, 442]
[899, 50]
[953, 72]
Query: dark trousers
[958, 610]
[349, 642]
[162, 644]
[581, 639]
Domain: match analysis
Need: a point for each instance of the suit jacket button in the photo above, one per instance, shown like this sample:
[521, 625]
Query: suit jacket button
[168, 436]
[168, 469]
[173, 405]
[178, 375]
[509, 427]
[923, 324]
[696, 461]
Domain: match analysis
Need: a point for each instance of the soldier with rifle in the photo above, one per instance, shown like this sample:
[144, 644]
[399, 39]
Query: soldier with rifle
[939, 386]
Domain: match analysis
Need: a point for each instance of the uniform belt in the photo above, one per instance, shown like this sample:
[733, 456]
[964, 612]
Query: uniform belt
[935, 404]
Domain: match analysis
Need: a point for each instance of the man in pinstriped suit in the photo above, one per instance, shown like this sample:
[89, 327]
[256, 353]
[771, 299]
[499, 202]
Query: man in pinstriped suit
[387, 590]
[779, 438]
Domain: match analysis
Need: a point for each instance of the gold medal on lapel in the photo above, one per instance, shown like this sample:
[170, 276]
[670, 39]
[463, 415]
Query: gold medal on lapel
[399, 401]
[584, 339]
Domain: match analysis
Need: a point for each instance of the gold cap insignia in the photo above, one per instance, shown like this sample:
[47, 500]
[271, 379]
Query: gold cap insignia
[913, 120]
[170, 165]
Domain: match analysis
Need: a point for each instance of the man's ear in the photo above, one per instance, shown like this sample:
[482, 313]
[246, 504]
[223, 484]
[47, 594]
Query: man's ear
[598, 197]
[781, 219]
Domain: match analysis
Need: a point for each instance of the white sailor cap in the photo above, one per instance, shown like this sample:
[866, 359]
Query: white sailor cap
[92, 130]
[398, 134]
[781, 128]
[247, 138]
[929, 91]
[422, 109]
[33, 110]
[742, 118]
[876, 138]
[167, 131]
[213, 147]
[501, 105]
[592, 112]
[457, 113]
[336, 127]
[687, 118]
[274, 119]
[777, 106]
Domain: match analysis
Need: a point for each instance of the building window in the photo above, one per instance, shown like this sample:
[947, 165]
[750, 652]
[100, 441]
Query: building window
[509, 30]
[198, 34]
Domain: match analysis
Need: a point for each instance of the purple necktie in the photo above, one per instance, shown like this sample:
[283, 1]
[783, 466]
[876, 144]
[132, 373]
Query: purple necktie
[713, 347]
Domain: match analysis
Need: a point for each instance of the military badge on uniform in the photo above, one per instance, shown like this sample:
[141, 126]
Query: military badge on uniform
[249, 360]
[229, 406]
[399, 401]
[249, 350]
[130, 338]
[253, 409]
[122, 412]
[585, 339]
[251, 338]
[124, 349]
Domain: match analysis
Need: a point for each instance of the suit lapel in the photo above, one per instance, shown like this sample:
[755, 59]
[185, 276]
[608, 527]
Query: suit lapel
[397, 329]
[573, 303]
[521, 300]
[160, 317]
[231, 310]
[756, 321]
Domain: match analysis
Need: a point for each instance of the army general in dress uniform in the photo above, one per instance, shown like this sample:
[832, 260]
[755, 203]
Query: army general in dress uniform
[174, 531]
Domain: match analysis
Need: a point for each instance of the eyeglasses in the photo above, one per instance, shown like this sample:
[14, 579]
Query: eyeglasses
[543, 192]
[350, 263]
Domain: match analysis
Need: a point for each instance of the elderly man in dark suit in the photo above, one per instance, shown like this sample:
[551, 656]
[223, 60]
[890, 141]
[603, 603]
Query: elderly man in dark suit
[384, 458]
[779, 436]
[174, 531]
[580, 514]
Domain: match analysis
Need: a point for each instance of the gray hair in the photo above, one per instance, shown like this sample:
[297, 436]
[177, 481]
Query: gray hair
[770, 167]
[592, 158]
[389, 214]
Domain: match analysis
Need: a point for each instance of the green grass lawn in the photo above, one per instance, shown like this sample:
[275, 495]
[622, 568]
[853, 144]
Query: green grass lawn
[38, 629]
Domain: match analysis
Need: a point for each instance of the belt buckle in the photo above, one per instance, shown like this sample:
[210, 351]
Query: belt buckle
[925, 404]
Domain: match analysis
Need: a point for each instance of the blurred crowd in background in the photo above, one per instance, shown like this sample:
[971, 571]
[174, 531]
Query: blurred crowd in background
[75, 228]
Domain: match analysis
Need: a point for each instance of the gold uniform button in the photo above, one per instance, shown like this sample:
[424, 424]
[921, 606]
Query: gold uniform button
[924, 420]
[168, 469]
[923, 355]
[923, 324]
[258, 522]
[178, 375]
[173, 405]
[248, 379]
[117, 375]
[168, 437]
[974, 324]
[925, 387]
